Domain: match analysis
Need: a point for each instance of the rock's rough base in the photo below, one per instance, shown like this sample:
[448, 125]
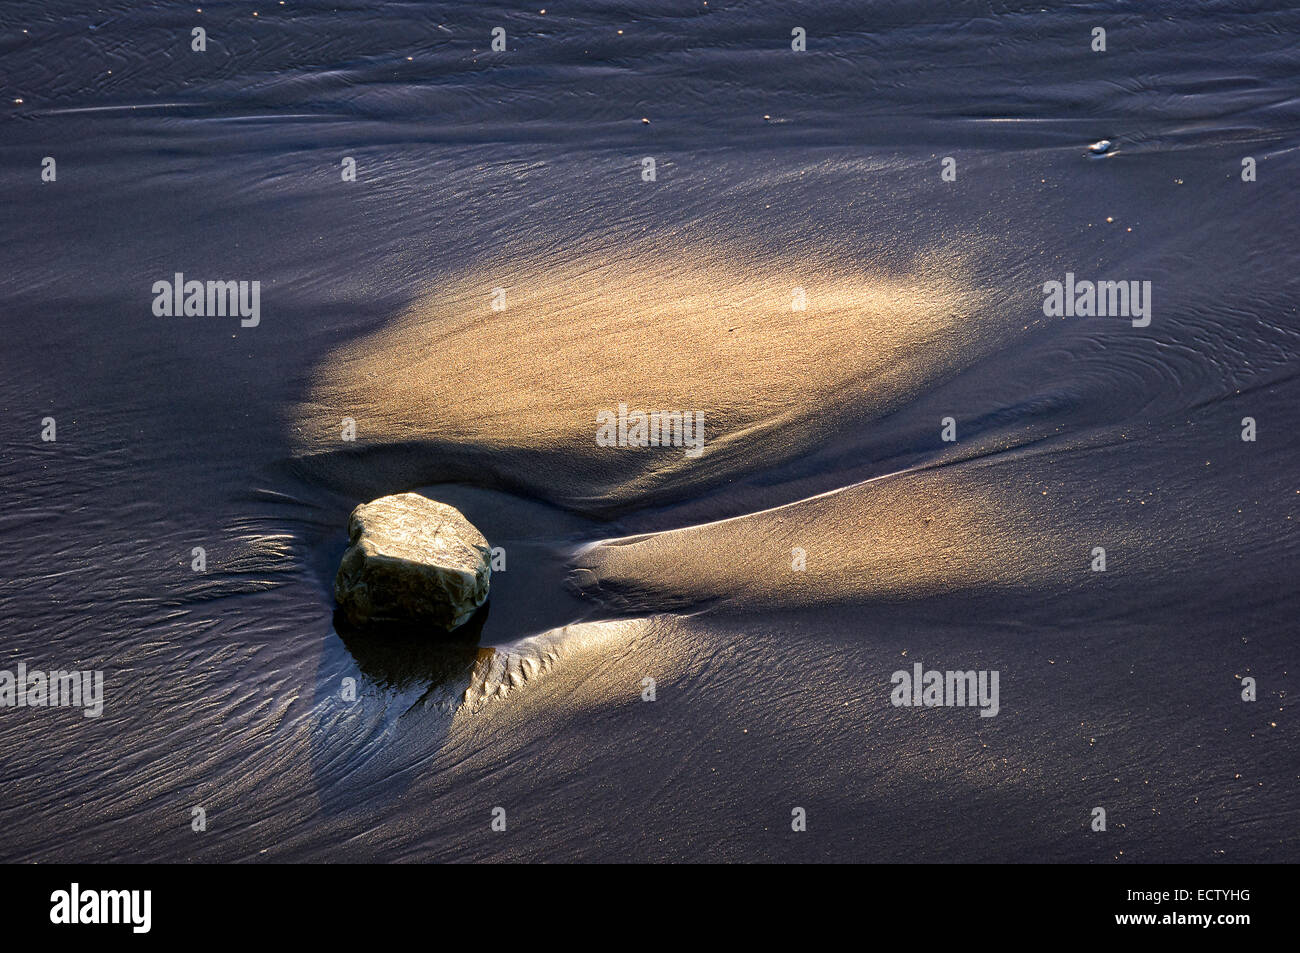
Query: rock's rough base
[412, 559]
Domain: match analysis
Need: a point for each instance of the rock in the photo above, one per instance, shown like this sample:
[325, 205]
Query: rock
[412, 560]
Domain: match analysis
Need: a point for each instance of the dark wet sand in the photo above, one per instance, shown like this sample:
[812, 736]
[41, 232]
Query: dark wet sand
[1118, 689]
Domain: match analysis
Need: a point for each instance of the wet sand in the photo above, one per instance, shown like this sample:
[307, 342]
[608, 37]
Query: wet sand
[824, 434]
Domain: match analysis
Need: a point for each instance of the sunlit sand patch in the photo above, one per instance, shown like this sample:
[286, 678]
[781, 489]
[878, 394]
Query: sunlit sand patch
[668, 328]
[499, 672]
[893, 538]
[1036, 523]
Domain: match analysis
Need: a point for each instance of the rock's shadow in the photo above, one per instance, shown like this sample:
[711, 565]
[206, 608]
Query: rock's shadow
[359, 749]
[399, 657]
